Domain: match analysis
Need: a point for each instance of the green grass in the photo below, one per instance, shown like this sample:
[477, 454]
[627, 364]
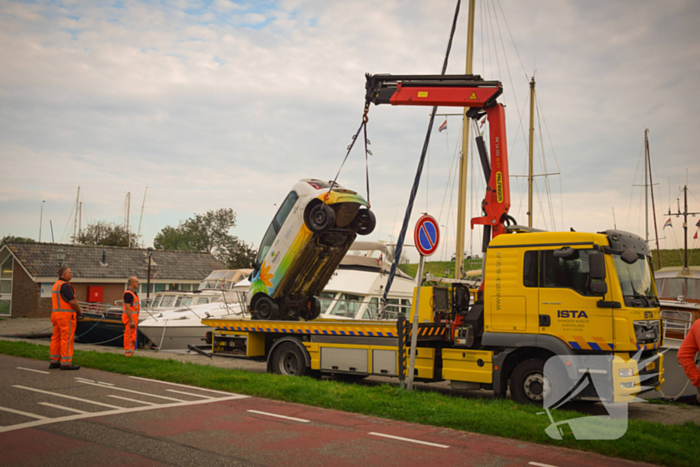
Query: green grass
[674, 257]
[644, 441]
[437, 268]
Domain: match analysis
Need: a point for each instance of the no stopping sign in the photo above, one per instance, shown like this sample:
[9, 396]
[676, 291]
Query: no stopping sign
[426, 235]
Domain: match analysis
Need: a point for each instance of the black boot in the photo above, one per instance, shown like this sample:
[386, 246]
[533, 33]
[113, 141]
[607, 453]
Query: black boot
[70, 367]
[54, 366]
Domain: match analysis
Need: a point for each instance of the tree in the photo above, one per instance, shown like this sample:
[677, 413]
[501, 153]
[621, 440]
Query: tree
[106, 234]
[208, 233]
[12, 238]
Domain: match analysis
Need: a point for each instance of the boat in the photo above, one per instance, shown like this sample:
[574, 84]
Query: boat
[102, 324]
[356, 287]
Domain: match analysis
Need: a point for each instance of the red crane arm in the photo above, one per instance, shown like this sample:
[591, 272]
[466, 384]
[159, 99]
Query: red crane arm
[459, 91]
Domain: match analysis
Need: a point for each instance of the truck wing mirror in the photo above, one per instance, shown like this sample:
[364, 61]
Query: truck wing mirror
[566, 253]
[596, 265]
[599, 288]
[629, 256]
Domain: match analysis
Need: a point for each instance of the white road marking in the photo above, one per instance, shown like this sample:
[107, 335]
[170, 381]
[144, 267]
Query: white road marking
[26, 414]
[540, 465]
[66, 397]
[184, 386]
[84, 379]
[35, 371]
[131, 400]
[55, 406]
[189, 394]
[279, 416]
[132, 391]
[118, 411]
[410, 440]
[105, 384]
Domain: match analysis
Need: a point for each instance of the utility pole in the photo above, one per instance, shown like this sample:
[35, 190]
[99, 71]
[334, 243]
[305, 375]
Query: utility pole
[462, 196]
[530, 152]
[41, 218]
[685, 270]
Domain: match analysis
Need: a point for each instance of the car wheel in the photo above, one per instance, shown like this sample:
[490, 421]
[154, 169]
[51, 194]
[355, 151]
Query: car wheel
[365, 222]
[321, 218]
[265, 308]
[289, 360]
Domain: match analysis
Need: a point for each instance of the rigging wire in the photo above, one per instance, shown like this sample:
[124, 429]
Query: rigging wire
[554, 154]
[512, 40]
[544, 171]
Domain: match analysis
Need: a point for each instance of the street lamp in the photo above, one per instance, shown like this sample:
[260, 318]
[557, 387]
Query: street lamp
[148, 282]
[60, 256]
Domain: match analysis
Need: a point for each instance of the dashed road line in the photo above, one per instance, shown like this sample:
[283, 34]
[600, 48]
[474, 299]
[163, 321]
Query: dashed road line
[537, 464]
[279, 416]
[410, 440]
[56, 406]
[184, 386]
[131, 400]
[35, 371]
[26, 414]
[114, 388]
[66, 397]
[105, 384]
[189, 394]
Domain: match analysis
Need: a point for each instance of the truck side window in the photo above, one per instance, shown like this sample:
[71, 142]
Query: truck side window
[530, 269]
[569, 273]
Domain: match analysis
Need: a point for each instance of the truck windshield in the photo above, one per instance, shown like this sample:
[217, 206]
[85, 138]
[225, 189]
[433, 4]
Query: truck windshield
[635, 279]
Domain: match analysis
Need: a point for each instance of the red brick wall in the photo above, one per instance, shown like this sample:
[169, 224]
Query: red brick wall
[25, 295]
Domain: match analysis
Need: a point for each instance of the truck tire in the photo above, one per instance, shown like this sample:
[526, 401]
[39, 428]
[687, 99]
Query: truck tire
[320, 218]
[265, 308]
[288, 359]
[528, 384]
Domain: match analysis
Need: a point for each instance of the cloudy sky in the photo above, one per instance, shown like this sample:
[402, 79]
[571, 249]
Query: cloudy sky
[214, 104]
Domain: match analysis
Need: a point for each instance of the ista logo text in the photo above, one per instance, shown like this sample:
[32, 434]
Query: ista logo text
[571, 314]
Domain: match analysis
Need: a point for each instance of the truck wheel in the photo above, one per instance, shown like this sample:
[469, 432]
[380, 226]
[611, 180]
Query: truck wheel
[529, 385]
[289, 360]
[320, 218]
[364, 222]
[265, 308]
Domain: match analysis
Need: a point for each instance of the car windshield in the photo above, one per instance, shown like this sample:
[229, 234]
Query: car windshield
[635, 279]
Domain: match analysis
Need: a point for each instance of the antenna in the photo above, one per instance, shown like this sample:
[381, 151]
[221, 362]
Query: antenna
[141, 217]
[614, 221]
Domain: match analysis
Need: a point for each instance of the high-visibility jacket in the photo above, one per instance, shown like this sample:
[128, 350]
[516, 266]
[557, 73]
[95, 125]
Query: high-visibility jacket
[58, 303]
[137, 303]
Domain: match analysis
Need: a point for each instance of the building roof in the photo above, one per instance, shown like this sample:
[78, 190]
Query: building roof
[120, 263]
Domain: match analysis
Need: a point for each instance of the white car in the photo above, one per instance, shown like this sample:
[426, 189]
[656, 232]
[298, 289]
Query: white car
[307, 239]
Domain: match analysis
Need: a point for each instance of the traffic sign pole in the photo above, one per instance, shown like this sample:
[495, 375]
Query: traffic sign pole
[414, 332]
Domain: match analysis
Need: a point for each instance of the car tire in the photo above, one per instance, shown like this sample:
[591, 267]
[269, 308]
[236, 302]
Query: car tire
[320, 218]
[288, 359]
[364, 222]
[265, 308]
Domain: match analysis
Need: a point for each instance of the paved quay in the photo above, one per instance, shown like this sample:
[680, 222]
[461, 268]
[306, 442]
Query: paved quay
[666, 413]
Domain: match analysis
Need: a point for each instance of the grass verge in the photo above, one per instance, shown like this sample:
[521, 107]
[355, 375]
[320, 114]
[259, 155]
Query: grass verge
[675, 445]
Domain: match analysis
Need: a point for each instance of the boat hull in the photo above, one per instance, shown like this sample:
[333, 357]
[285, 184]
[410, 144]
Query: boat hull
[176, 338]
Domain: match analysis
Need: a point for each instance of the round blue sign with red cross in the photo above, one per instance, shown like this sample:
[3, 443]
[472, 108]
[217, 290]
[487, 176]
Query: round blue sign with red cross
[427, 235]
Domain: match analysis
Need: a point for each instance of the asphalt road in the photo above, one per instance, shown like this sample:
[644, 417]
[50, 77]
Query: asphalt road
[90, 417]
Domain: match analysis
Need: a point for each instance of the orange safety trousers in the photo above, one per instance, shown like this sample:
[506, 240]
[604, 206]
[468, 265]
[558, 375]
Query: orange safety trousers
[61, 350]
[130, 333]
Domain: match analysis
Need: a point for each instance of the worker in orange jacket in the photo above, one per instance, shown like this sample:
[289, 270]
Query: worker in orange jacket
[130, 317]
[63, 317]
[686, 355]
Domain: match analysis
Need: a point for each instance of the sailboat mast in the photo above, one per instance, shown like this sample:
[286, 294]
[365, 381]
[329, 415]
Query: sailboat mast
[462, 196]
[41, 218]
[646, 188]
[653, 205]
[141, 217]
[75, 219]
[530, 152]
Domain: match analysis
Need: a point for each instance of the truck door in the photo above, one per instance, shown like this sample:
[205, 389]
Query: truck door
[566, 298]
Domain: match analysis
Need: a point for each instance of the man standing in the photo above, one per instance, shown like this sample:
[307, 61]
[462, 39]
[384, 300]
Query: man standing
[63, 316]
[130, 317]
[686, 355]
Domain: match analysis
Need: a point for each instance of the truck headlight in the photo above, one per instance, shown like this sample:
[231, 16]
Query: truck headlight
[627, 373]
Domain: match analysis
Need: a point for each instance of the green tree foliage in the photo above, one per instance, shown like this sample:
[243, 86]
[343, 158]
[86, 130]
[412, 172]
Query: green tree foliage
[106, 234]
[208, 233]
[12, 238]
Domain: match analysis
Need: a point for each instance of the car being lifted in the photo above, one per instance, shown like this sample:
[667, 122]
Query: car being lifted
[308, 237]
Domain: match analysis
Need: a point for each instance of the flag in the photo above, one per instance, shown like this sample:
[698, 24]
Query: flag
[668, 223]
[443, 126]
[695, 237]
[698, 224]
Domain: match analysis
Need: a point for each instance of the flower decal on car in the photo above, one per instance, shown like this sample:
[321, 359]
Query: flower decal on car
[263, 282]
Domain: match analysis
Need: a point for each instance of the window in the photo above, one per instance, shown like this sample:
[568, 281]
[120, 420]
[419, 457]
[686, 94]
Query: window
[567, 273]
[530, 266]
[325, 299]
[276, 225]
[394, 306]
[372, 310]
[347, 305]
[5, 284]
